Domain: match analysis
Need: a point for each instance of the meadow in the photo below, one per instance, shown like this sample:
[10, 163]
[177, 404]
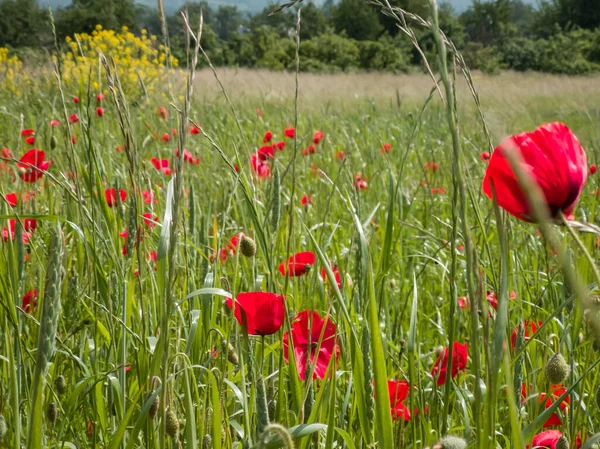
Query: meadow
[150, 297]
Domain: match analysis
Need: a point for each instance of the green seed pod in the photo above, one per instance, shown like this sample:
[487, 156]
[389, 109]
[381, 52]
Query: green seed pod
[557, 369]
[450, 442]
[247, 246]
[3, 427]
[53, 142]
[60, 384]
[562, 443]
[207, 442]
[52, 412]
[172, 424]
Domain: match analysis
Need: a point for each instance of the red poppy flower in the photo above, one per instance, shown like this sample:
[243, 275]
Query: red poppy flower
[29, 224]
[263, 312]
[311, 149]
[318, 137]
[593, 169]
[152, 255]
[35, 158]
[99, 111]
[73, 140]
[309, 332]
[530, 329]
[267, 137]
[161, 165]
[298, 264]
[230, 248]
[259, 112]
[9, 233]
[459, 362]
[493, 299]
[463, 302]
[29, 302]
[546, 440]
[165, 137]
[174, 131]
[163, 113]
[306, 199]
[340, 155]
[111, 196]
[336, 273]
[438, 190]
[194, 130]
[399, 391]
[360, 183]
[289, 132]
[187, 156]
[431, 166]
[261, 168]
[265, 152]
[149, 221]
[30, 140]
[280, 145]
[148, 196]
[75, 100]
[386, 148]
[551, 155]
[54, 123]
[12, 199]
[485, 156]
[548, 399]
[100, 97]
[73, 119]
[27, 132]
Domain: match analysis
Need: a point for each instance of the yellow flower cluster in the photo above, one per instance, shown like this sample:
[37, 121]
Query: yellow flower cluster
[140, 62]
[9, 71]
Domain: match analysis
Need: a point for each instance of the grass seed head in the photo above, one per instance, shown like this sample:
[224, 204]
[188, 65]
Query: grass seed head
[172, 424]
[60, 384]
[557, 369]
[207, 442]
[52, 412]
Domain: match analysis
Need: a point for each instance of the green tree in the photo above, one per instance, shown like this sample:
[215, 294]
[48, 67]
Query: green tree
[486, 21]
[22, 23]
[567, 14]
[227, 21]
[314, 21]
[357, 19]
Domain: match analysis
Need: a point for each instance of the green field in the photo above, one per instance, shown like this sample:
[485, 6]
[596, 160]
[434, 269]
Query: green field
[116, 329]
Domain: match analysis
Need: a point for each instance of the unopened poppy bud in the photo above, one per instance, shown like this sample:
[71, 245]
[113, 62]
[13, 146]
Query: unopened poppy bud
[247, 246]
[52, 412]
[231, 353]
[172, 424]
[53, 142]
[451, 442]
[207, 442]
[557, 369]
[562, 443]
[60, 384]
[439, 350]
[3, 427]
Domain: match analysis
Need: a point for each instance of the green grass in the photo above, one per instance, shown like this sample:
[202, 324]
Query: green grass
[401, 251]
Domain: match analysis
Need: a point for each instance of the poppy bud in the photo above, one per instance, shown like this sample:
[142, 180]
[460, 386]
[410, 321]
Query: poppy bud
[562, 443]
[439, 351]
[231, 353]
[52, 412]
[557, 369]
[60, 384]
[451, 442]
[172, 424]
[3, 427]
[53, 142]
[247, 246]
[207, 442]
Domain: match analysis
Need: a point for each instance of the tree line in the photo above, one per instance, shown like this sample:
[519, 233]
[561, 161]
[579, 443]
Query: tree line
[559, 36]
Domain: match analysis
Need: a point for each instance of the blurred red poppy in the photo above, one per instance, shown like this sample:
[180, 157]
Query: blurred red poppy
[73, 140]
[289, 132]
[35, 158]
[29, 302]
[438, 190]
[386, 148]
[545, 440]
[187, 156]
[336, 273]
[309, 332]
[54, 123]
[493, 299]
[267, 137]
[148, 196]
[111, 196]
[30, 140]
[12, 199]
[280, 145]
[318, 137]
[27, 132]
[459, 362]
[149, 221]
[360, 183]
[530, 327]
[73, 119]
[263, 313]
[311, 149]
[553, 157]
[399, 391]
[163, 113]
[165, 137]
[298, 264]
[75, 100]
[99, 111]
[100, 97]
[593, 169]
[261, 168]
[161, 165]
[485, 156]
[340, 155]
[265, 152]
[306, 199]
[431, 166]
[9, 233]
